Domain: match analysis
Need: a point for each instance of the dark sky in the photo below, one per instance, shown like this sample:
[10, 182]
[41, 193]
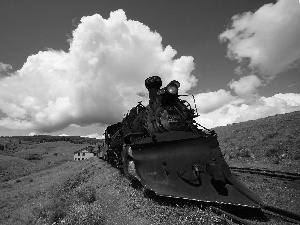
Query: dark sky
[192, 28]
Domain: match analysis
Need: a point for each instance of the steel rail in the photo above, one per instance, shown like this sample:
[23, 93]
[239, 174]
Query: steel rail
[266, 210]
[286, 175]
[281, 213]
[233, 217]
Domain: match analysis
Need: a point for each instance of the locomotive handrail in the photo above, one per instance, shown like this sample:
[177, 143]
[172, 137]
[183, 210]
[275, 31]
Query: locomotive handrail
[195, 106]
[190, 105]
[184, 118]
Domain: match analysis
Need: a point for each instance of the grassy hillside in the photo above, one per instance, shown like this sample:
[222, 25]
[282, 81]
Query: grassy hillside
[9, 145]
[272, 142]
[41, 184]
[86, 193]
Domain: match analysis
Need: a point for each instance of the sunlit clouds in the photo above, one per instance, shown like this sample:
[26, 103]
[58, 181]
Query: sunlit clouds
[269, 40]
[210, 101]
[269, 37]
[246, 87]
[239, 111]
[266, 43]
[95, 81]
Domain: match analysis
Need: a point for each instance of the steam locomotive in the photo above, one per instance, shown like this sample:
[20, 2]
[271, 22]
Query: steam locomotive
[162, 147]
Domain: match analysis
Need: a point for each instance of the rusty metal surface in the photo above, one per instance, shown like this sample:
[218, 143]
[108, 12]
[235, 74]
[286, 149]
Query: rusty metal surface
[181, 169]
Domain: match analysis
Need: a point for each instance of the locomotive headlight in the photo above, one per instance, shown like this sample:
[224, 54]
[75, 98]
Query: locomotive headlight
[173, 87]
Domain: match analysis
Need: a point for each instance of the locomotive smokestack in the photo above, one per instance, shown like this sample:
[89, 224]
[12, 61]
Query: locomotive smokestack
[153, 84]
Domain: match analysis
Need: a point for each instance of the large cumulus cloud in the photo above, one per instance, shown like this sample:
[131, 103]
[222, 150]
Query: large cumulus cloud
[269, 37]
[95, 81]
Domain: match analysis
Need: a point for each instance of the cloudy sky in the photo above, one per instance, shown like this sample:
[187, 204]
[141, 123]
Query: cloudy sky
[74, 67]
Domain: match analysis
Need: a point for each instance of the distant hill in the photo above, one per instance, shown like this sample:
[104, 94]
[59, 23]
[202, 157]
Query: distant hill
[10, 145]
[274, 139]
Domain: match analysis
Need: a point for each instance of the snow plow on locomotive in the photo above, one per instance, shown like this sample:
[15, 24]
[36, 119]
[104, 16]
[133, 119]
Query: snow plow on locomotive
[163, 147]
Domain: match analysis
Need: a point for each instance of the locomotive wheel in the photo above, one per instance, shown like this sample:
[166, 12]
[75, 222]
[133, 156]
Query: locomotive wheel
[110, 158]
[128, 164]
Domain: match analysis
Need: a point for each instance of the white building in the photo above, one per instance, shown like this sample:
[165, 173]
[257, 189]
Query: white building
[85, 153]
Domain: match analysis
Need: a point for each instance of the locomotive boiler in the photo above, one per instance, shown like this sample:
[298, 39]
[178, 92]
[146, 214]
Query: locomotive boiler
[163, 147]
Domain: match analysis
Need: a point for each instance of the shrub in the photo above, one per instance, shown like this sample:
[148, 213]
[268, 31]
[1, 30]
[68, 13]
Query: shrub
[271, 135]
[33, 157]
[276, 160]
[71, 208]
[229, 156]
[297, 143]
[87, 194]
[53, 211]
[245, 153]
[272, 152]
[74, 181]
[60, 207]
[297, 156]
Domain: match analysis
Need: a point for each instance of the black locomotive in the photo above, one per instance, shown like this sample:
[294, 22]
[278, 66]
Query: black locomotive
[163, 147]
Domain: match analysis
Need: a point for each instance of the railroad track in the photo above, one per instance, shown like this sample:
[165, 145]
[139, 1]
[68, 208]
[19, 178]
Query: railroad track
[266, 212]
[280, 174]
[229, 215]
[281, 213]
